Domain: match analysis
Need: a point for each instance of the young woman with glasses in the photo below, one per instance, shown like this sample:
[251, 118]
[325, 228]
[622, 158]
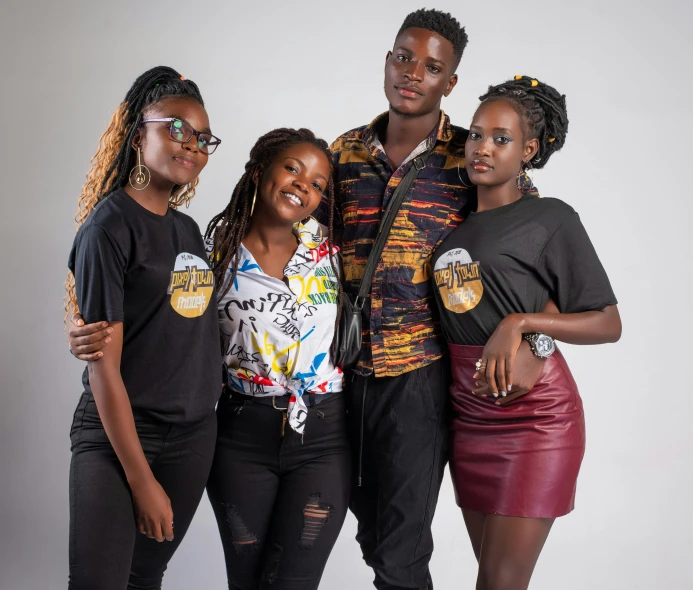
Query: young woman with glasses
[144, 431]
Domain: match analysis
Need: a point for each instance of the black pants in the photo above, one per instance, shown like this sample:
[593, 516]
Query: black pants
[403, 421]
[280, 498]
[106, 551]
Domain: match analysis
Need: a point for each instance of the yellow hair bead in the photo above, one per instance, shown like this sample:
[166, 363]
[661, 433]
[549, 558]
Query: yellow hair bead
[518, 77]
[535, 82]
[551, 139]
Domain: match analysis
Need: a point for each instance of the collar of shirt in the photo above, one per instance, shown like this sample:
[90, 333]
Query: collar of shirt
[372, 142]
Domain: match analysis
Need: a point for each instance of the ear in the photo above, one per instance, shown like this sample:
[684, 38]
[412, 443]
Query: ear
[530, 150]
[452, 82]
[388, 56]
[137, 139]
[256, 176]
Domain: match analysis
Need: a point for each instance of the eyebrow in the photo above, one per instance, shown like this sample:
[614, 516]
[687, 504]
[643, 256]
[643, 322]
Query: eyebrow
[494, 129]
[302, 164]
[428, 59]
[205, 130]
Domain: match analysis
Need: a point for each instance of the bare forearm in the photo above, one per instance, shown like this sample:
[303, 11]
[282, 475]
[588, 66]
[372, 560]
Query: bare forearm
[589, 327]
[116, 416]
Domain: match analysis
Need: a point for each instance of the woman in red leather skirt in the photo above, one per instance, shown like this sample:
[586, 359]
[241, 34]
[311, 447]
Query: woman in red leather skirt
[515, 448]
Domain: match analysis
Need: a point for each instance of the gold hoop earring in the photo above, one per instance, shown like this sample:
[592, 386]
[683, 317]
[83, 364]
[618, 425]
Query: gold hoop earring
[252, 207]
[141, 172]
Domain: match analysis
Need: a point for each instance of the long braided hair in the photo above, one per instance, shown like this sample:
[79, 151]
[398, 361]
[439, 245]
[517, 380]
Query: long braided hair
[115, 158]
[542, 111]
[228, 228]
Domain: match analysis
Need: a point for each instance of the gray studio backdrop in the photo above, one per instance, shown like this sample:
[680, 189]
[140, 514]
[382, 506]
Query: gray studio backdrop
[625, 68]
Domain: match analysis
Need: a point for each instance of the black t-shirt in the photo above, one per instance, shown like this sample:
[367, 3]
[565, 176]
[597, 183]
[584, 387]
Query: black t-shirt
[512, 259]
[151, 273]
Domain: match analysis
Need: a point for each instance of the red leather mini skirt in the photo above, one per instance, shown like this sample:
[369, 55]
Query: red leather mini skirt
[520, 459]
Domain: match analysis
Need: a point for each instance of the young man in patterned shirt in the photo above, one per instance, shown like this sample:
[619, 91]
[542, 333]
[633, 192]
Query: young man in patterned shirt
[398, 393]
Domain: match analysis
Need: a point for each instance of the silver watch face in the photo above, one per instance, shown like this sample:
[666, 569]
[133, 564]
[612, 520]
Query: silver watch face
[544, 346]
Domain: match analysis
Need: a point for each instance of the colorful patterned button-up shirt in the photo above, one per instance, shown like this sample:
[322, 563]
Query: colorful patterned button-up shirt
[276, 335]
[402, 333]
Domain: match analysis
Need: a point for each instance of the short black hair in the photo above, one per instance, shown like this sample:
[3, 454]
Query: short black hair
[442, 23]
[542, 112]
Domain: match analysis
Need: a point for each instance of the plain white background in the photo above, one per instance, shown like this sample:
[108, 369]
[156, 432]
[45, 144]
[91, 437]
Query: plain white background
[625, 68]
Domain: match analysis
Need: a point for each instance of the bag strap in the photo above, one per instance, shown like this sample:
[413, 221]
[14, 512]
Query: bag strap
[388, 219]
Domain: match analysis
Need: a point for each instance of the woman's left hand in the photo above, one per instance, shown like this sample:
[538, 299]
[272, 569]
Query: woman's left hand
[498, 358]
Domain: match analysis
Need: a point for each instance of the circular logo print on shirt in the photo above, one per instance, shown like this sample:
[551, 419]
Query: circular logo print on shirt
[191, 286]
[458, 280]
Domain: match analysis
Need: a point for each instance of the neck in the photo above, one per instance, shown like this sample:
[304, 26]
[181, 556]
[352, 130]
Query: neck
[492, 197]
[153, 198]
[403, 130]
[269, 234]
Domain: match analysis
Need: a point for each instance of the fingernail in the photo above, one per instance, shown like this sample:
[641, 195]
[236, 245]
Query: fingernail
[100, 354]
[503, 393]
[107, 340]
[109, 331]
[510, 387]
[80, 323]
[104, 324]
[495, 394]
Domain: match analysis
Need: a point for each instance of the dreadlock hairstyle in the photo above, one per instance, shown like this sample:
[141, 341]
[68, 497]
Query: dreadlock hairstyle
[228, 228]
[442, 23]
[115, 158]
[542, 112]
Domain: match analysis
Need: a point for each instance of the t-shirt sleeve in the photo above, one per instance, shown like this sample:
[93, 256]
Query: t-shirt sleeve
[572, 270]
[98, 267]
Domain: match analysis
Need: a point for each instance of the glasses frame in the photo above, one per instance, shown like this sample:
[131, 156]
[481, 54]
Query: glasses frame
[195, 133]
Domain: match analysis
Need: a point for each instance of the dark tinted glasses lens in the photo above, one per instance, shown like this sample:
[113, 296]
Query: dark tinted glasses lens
[180, 131]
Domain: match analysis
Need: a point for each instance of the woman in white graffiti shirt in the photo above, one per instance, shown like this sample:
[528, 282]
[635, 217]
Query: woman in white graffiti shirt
[280, 479]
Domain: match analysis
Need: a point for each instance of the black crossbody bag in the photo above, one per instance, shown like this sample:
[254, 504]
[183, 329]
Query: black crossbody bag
[347, 346]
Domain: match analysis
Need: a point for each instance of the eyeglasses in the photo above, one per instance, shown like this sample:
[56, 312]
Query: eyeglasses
[182, 132]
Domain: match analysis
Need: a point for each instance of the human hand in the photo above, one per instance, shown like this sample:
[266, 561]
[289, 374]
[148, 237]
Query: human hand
[498, 358]
[153, 510]
[87, 341]
[526, 373]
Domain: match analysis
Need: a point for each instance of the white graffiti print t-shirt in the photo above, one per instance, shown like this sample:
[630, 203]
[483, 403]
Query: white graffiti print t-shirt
[276, 337]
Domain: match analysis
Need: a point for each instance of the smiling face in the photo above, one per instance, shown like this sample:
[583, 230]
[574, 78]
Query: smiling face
[171, 162]
[291, 188]
[496, 148]
[419, 71]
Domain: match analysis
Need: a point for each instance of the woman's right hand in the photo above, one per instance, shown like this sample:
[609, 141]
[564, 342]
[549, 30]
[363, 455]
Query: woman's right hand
[87, 341]
[153, 510]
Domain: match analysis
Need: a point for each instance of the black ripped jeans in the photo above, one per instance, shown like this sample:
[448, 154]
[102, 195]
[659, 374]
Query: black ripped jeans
[280, 498]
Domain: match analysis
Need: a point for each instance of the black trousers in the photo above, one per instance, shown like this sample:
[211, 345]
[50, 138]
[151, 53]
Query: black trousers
[403, 422]
[280, 498]
[106, 550]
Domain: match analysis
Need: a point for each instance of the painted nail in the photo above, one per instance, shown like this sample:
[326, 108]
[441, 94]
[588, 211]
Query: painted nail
[503, 393]
[510, 387]
[495, 394]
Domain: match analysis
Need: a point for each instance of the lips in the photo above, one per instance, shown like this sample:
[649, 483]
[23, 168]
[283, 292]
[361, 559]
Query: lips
[409, 91]
[186, 162]
[480, 165]
[293, 198]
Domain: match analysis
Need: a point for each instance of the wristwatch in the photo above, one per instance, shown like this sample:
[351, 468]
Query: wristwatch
[542, 345]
